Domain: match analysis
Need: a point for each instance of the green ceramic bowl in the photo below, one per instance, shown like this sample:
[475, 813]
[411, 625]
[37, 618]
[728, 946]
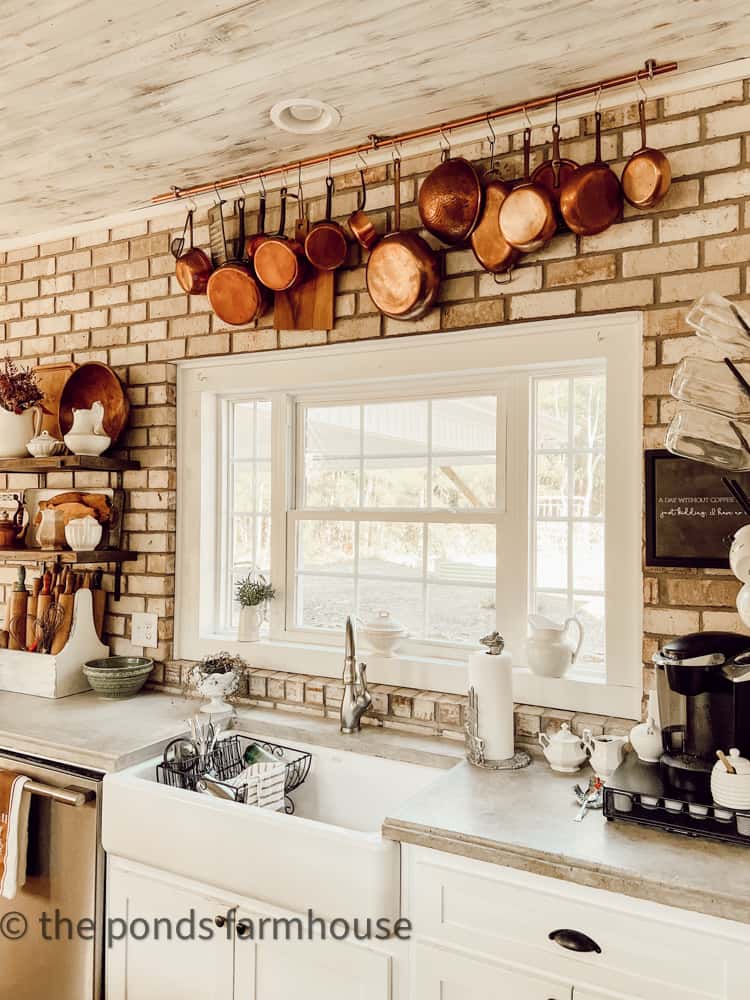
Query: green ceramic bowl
[118, 676]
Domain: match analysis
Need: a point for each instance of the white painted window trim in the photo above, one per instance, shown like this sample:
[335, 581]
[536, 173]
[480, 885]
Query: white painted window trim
[614, 338]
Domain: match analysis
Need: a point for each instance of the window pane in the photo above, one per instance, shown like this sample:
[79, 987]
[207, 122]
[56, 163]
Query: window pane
[588, 471]
[324, 601]
[242, 499]
[460, 482]
[395, 482]
[263, 429]
[403, 600]
[244, 534]
[332, 430]
[462, 552]
[551, 555]
[460, 614]
[396, 428]
[554, 606]
[552, 399]
[244, 430]
[391, 548]
[590, 611]
[331, 482]
[588, 556]
[588, 412]
[263, 487]
[263, 545]
[552, 486]
[327, 545]
[464, 425]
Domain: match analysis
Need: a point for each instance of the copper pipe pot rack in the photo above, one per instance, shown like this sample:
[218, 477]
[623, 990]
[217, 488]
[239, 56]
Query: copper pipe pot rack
[374, 142]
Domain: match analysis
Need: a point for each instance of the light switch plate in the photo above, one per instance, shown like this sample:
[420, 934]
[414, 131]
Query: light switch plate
[144, 629]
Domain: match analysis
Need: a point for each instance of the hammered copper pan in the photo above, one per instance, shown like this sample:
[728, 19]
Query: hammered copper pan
[528, 218]
[403, 273]
[235, 295]
[326, 245]
[647, 175]
[592, 199]
[280, 263]
[450, 200]
[193, 266]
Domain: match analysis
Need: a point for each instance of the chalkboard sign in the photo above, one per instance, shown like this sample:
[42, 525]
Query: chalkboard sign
[690, 514]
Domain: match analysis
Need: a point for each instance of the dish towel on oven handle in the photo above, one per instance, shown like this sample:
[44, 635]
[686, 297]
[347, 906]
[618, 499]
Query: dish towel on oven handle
[14, 832]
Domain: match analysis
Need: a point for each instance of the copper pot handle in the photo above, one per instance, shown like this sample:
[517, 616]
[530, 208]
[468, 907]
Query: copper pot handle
[178, 243]
[526, 153]
[239, 251]
[362, 194]
[282, 214]
[397, 195]
[642, 118]
[261, 214]
[329, 197]
[556, 155]
[598, 147]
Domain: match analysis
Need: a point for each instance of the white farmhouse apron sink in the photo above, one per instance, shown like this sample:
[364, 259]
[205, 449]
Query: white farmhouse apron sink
[329, 856]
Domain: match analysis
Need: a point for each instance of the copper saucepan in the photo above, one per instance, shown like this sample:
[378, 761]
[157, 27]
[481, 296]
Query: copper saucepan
[450, 200]
[527, 216]
[403, 273]
[193, 266]
[489, 245]
[556, 172]
[647, 175]
[592, 199]
[326, 245]
[233, 291]
[280, 263]
[360, 224]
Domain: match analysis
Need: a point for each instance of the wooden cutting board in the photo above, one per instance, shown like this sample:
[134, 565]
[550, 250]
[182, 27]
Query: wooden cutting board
[52, 379]
[309, 306]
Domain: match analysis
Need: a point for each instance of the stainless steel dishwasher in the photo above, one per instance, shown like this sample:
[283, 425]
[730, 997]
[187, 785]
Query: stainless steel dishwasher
[57, 955]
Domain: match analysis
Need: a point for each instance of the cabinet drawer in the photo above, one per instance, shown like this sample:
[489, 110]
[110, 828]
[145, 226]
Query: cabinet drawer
[509, 915]
[445, 975]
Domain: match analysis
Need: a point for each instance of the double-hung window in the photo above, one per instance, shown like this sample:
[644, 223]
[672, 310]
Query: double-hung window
[461, 484]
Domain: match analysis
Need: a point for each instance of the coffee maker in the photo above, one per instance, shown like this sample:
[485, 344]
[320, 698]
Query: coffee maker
[703, 690]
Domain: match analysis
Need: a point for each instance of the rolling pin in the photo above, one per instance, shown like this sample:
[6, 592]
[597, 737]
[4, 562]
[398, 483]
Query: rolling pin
[17, 611]
[66, 603]
[99, 600]
[45, 597]
[36, 586]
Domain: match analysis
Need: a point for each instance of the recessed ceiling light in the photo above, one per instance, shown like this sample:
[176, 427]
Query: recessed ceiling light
[304, 114]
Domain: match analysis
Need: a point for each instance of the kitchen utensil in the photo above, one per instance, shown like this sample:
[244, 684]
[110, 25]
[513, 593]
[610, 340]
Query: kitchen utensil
[65, 602]
[554, 173]
[12, 527]
[48, 623]
[359, 222]
[715, 318]
[450, 199]
[528, 216]
[403, 273]
[593, 792]
[606, 753]
[382, 632]
[99, 601]
[192, 268]
[488, 244]
[705, 436]
[86, 435]
[309, 306]
[326, 245]
[90, 383]
[253, 242]
[550, 650]
[565, 752]
[280, 262]
[647, 175]
[118, 676]
[83, 534]
[31, 611]
[713, 385]
[728, 765]
[731, 788]
[738, 493]
[217, 234]
[234, 293]
[52, 379]
[45, 446]
[16, 610]
[591, 199]
[490, 684]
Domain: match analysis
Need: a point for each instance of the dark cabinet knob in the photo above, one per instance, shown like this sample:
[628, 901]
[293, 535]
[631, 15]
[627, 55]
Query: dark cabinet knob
[574, 940]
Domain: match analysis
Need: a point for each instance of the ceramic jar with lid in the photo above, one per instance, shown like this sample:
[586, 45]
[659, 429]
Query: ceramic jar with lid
[44, 446]
[565, 752]
[732, 790]
[383, 633]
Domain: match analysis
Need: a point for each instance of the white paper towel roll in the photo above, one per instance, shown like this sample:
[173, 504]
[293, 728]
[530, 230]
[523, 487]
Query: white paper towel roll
[491, 676]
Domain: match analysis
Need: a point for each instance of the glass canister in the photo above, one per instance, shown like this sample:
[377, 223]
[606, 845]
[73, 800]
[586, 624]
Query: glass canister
[714, 438]
[715, 318]
[711, 385]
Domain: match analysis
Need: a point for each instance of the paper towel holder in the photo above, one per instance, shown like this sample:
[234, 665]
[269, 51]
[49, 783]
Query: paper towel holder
[475, 743]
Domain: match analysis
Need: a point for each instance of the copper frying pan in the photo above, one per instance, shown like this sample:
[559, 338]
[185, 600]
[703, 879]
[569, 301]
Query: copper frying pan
[326, 245]
[592, 199]
[647, 175]
[280, 263]
[235, 295]
[527, 216]
[489, 245]
[555, 173]
[193, 267]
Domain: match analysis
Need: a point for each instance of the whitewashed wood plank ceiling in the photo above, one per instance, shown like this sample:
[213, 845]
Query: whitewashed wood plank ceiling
[105, 103]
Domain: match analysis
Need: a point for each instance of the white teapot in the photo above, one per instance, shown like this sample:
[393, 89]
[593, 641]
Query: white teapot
[565, 752]
[86, 436]
[550, 648]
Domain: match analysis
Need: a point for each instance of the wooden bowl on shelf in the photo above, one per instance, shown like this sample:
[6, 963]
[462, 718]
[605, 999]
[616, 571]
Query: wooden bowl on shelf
[89, 383]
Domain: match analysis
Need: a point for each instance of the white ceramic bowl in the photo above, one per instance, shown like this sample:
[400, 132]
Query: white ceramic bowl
[88, 444]
[83, 534]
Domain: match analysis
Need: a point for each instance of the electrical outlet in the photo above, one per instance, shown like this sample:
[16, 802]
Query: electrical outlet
[144, 630]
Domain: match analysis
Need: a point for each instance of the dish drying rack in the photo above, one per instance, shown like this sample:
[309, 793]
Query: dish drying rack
[226, 761]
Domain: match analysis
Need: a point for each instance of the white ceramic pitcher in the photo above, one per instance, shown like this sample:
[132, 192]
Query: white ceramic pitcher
[550, 648]
[88, 421]
[607, 753]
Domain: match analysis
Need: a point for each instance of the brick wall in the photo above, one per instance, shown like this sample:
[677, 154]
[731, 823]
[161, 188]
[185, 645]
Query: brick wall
[110, 295]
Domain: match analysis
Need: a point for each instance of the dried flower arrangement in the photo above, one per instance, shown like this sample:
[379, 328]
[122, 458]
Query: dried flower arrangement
[19, 389]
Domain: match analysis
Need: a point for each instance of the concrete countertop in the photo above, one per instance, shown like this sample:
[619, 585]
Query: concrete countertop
[524, 820]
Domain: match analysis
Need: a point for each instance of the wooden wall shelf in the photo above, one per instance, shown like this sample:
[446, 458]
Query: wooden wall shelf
[61, 463]
[115, 557]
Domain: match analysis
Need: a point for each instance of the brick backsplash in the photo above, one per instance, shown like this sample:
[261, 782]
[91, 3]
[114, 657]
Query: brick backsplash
[110, 295]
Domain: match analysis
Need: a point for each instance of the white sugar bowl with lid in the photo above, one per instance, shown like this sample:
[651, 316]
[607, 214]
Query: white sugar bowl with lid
[383, 633]
[565, 752]
[731, 790]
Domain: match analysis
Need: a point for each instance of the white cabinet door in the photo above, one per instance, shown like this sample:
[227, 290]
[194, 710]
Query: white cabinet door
[445, 975]
[313, 970]
[172, 948]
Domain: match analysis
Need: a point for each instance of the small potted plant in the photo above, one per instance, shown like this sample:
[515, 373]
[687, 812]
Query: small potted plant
[217, 677]
[253, 594]
[20, 409]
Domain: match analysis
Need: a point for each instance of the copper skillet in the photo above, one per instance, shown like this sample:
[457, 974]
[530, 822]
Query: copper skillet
[528, 218]
[591, 200]
[488, 244]
[326, 245]
[280, 262]
[403, 273]
[647, 175]
[235, 295]
[193, 267]
[555, 173]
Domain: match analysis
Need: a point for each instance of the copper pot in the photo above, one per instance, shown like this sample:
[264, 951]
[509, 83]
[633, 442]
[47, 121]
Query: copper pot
[555, 173]
[235, 295]
[280, 263]
[592, 199]
[527, 216]
[647, 175]
[359, 222]
[326, 245]
[450, 200]
[489, 245]
[193, 267]
[403, 273]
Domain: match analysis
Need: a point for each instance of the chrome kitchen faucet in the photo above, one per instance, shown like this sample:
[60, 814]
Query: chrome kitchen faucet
[357, 699]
